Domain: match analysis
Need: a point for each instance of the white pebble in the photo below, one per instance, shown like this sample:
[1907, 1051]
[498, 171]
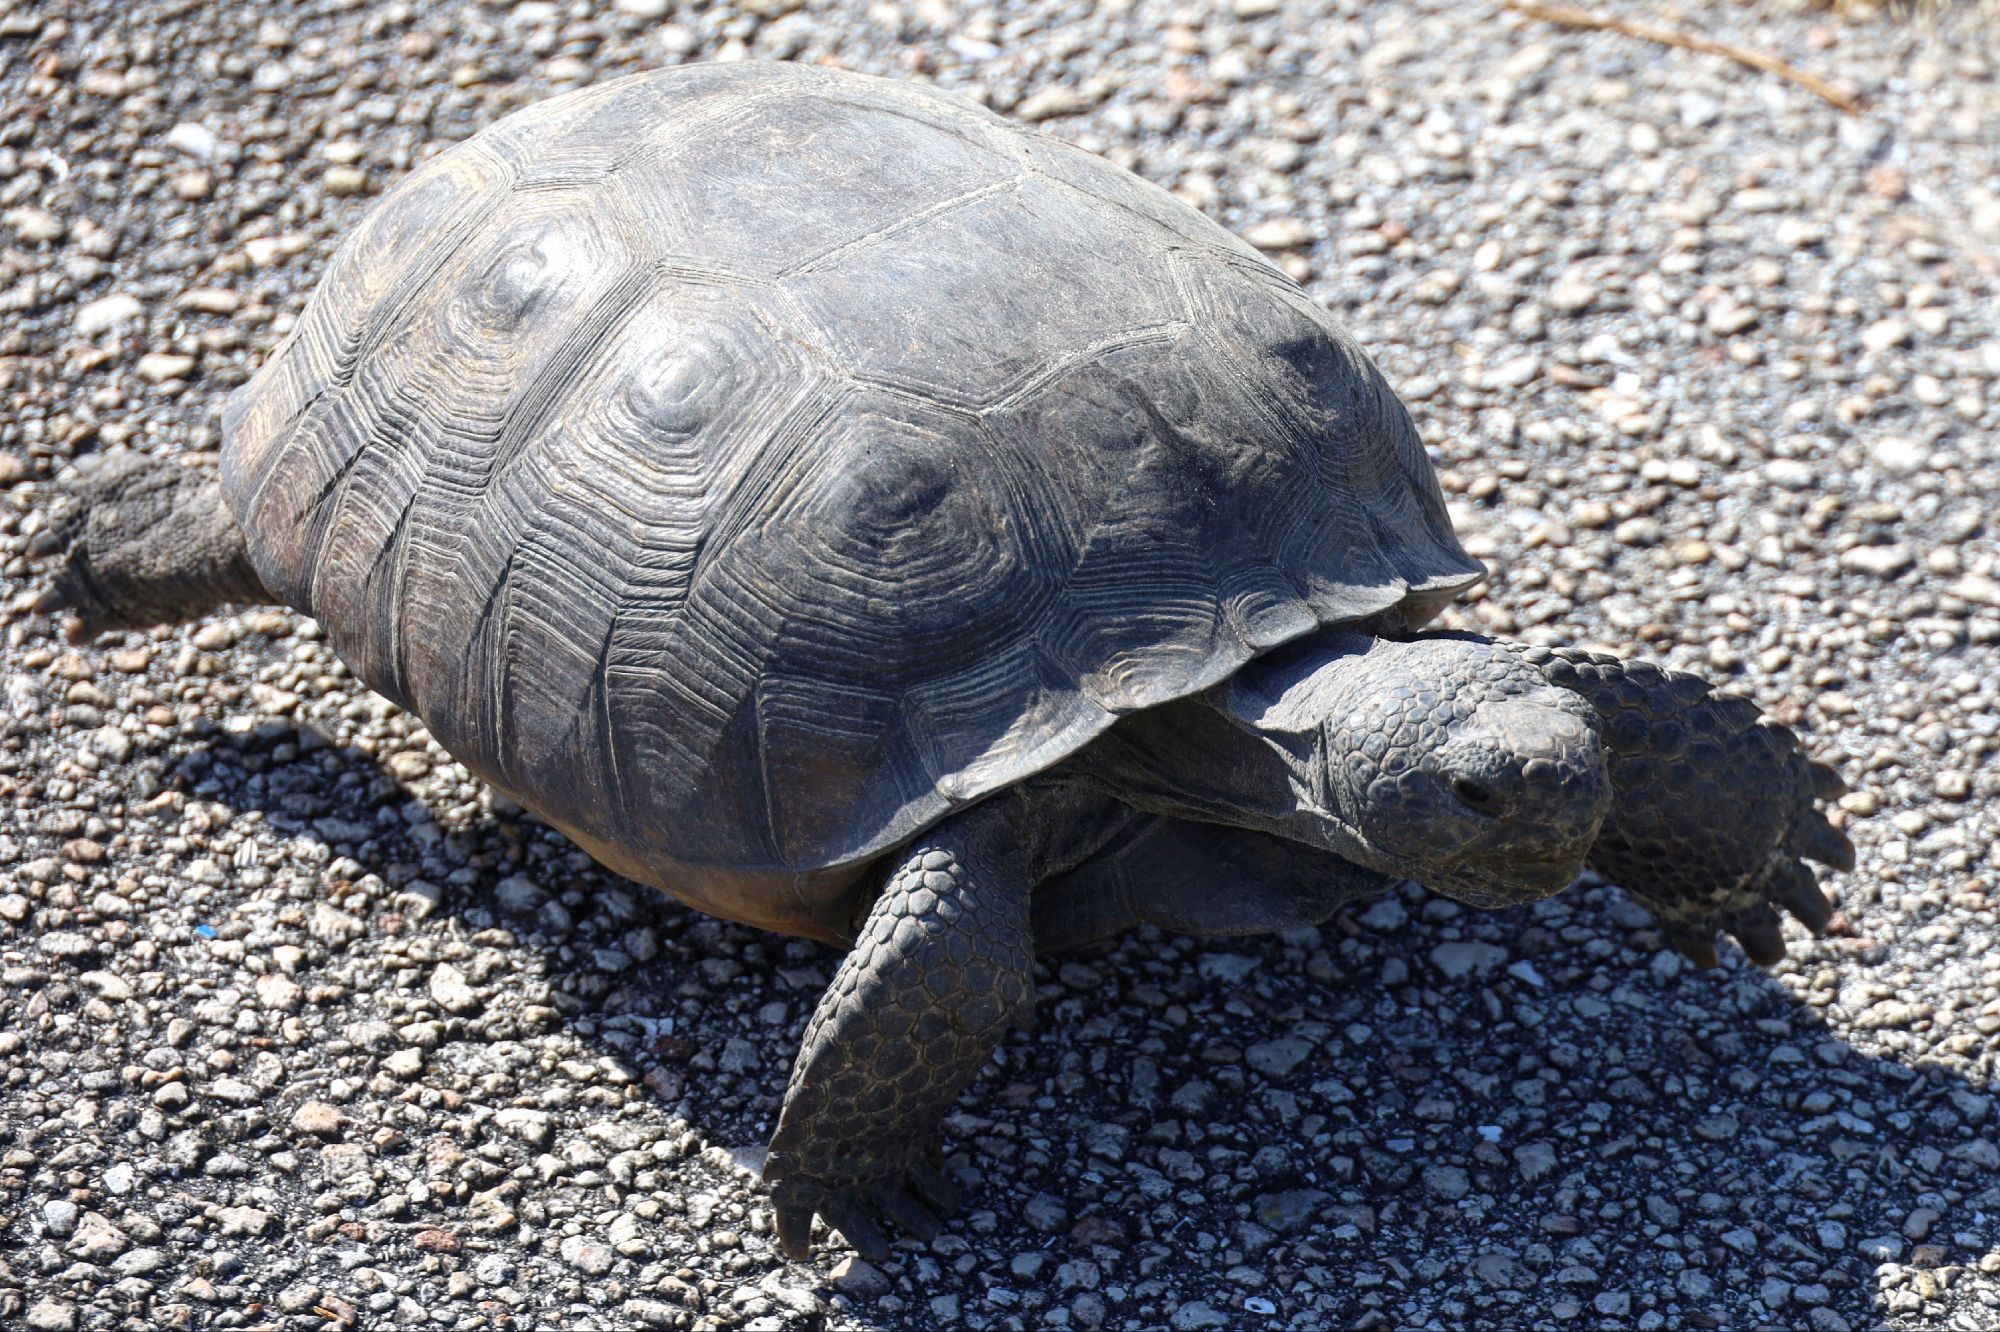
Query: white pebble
[1898, 454]
[1883, 334]
[107, 312]
[196, 140]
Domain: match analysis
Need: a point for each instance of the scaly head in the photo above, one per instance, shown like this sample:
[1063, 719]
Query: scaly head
[1444, 758]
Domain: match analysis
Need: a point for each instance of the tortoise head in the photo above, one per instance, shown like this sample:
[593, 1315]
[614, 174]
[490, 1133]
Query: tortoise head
[1443, 758]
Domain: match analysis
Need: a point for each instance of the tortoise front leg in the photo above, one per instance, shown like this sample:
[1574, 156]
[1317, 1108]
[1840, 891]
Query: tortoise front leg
[943, 965]
[1715, 807]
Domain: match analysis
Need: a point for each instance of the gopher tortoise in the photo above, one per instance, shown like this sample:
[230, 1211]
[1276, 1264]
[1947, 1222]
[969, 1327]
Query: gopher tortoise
[866, 519]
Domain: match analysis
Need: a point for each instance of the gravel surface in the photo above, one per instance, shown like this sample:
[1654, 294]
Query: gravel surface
[303, 1029]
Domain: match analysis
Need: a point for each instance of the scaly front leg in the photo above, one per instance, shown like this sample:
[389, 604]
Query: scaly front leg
[1715, 807]
[944, 963]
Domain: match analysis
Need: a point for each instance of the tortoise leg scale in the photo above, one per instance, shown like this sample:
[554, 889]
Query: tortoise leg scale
[943, 964]
[1715, 808]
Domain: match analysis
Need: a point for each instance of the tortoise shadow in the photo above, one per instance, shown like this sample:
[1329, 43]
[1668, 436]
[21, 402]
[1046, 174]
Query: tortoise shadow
[1573, 1116]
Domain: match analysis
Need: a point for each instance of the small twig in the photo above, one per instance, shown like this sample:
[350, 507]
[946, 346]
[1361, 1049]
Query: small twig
[1649, 32]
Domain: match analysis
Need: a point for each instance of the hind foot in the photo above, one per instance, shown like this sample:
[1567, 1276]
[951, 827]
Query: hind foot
[144, 541]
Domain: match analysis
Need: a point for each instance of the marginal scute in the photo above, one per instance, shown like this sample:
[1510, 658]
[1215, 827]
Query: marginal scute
[747, 467]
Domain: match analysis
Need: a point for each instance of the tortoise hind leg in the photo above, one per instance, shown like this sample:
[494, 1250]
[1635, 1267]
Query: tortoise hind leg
[943, 964]
[146, 541]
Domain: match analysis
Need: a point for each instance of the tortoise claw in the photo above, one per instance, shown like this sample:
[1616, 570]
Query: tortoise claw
[1827, 783]
[1797, 890]
[1694, 942]
[895, 1202]
[850, 1217]
[794, 1225]
[68, 596]
[1758, 932]
[1820, 840]
[937, 1192]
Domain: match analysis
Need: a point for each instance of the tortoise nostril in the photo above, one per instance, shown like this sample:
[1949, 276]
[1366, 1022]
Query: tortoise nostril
[1472, 793]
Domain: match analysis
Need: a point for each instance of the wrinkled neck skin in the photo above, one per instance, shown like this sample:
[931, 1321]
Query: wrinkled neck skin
[1443, 758]
[1200, 758]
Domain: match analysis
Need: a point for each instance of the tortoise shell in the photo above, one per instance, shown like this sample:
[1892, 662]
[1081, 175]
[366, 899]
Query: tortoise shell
[745, 466]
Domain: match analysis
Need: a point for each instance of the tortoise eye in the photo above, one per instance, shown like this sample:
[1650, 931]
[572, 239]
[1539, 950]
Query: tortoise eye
[1471, 792]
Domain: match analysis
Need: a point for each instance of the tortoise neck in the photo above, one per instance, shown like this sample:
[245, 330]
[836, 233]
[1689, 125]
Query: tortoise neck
[1200, 758]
